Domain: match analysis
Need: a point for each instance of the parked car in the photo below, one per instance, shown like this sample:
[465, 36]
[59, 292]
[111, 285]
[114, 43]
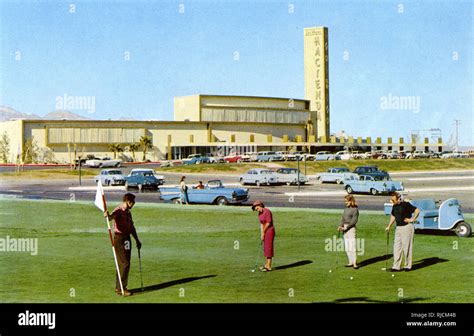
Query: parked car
[215, 159]
[421, 155]
[325, 156]
[103, 163]
[287, 156]
[418, 154]
[196, 159]
[332, 175]
[438, 215]
[249, 157]
[379, 155]
[143, 179]
[446, 155]
[402, 154]
[166, 163]
[371, 184]
[455, 155]
[212, 193]
[309, 157]
[435, 155]
[301, 156]
[269, 157]
[290, 176]
[233, 158]
[160, 178]
[392, 154]
[259, 176]
[356, 155]
[137, 171]
[371, 171]
[110, 177]
[83, 160]
[344, 155]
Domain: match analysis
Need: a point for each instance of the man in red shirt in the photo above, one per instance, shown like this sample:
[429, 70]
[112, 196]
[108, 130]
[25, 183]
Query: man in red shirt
[267, 233]
[123, 228]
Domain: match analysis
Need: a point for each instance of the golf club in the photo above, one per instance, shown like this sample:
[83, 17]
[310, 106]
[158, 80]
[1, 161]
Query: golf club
[140, 266]
[260, 245]
[337, 242]
[386, 253]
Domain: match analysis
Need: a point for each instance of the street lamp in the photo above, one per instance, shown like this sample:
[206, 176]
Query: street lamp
[304, 158]
[80, 181]
[298, 170]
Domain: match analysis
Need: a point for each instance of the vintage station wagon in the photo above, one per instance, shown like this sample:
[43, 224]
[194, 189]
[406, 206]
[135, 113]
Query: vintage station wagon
[371, 184]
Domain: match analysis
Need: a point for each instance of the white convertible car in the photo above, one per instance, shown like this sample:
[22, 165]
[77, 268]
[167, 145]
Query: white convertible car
[103, 163]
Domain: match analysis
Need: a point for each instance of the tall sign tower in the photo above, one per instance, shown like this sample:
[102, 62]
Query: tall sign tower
[316, 79]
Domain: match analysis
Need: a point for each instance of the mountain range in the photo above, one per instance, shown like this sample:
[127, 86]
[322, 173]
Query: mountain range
[8, 113]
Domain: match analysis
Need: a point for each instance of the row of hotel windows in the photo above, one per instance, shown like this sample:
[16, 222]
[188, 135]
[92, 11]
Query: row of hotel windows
[259, 116]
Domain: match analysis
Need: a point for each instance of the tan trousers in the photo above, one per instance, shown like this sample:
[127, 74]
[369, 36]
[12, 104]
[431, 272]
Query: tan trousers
[403, 246]
[350, 245]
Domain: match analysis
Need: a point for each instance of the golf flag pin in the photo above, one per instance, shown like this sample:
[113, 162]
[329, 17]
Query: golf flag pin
[99, 197]
[100, 203]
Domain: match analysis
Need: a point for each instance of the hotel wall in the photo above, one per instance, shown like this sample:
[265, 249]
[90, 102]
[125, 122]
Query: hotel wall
[187, 108]
[14, 132]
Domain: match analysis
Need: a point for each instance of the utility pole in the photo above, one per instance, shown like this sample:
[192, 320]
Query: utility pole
[456, 138]
[80, 180]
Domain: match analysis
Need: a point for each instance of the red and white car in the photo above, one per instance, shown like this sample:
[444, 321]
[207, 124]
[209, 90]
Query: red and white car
[233, 158]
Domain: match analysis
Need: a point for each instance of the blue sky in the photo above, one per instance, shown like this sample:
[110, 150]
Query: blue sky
[376, 49]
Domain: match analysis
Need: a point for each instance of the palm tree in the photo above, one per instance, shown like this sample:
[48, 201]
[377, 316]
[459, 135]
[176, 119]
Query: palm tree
[133, 148]
[115, 148]
[120, 148]
[146, 143]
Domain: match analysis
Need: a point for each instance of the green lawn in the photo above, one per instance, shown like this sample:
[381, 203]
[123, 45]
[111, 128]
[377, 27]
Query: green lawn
[189, 255]
[59, 173]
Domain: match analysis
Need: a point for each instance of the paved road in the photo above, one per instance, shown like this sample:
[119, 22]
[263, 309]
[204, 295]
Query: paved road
[435, 184]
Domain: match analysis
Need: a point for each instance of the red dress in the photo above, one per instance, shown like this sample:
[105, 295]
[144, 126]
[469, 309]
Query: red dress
[266, 217]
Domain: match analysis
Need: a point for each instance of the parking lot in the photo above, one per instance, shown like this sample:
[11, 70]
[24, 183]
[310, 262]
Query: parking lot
[438, 185]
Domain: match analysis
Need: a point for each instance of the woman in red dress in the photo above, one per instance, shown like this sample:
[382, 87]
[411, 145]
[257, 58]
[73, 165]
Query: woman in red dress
[267, 233]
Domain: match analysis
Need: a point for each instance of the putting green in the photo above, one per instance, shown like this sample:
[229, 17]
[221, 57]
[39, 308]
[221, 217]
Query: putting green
[205, 254]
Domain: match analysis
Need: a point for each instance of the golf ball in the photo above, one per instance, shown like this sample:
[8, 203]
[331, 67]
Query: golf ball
[393, 275]
[330, 271]
[352, 278]
[253, 271]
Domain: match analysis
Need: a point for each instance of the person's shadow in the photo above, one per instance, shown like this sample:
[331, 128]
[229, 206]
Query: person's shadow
[169, 284]
[295, 264]
[427, 262]
[366, 299]
[374, 260]
[416, 265]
